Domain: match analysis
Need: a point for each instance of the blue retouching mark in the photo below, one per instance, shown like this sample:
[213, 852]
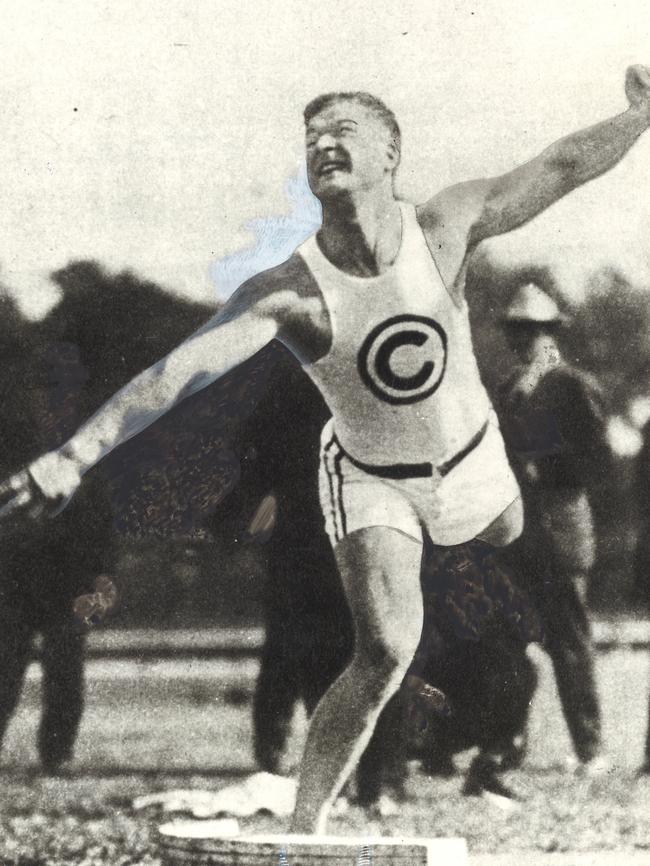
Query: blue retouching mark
[276, 238]
[364, 858]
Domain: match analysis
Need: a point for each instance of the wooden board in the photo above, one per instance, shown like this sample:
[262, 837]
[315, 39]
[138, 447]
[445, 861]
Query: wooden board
[181, 846]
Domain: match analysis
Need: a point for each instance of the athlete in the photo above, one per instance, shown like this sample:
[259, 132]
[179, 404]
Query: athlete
[373, 306]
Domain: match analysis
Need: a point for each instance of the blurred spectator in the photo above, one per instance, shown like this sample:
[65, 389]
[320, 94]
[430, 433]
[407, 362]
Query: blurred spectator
[476, 628]
[555, 429]
[45, 568]
[642, 499]
[642, 549]
[55, 577]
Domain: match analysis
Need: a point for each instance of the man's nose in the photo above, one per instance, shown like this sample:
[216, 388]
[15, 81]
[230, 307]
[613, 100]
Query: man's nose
[326, 141]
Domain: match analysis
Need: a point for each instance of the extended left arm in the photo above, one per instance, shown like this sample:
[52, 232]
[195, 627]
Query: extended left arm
[506, 202]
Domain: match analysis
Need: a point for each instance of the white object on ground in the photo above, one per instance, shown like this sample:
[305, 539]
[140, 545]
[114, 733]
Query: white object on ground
[224, 827]
[261, 792]
[505, 804]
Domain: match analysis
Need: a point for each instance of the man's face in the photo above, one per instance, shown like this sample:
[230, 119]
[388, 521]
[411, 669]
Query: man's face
[348, 149]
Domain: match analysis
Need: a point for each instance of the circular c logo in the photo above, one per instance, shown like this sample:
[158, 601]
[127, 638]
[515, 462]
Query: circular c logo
[403, 359]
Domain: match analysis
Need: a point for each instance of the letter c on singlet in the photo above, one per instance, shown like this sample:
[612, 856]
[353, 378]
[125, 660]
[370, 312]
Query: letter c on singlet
[403, 359]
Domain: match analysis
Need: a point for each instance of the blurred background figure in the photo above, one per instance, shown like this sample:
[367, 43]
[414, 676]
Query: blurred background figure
[55, 578]
[642, 550]
[44, 569]
[555, 429]
[641, 490]
[476, 628]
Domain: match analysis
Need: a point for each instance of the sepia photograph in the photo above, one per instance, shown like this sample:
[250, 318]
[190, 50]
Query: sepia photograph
[325, 456]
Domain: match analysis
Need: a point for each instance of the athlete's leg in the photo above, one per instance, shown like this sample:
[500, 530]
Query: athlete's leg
[380, 570]
[383, 764]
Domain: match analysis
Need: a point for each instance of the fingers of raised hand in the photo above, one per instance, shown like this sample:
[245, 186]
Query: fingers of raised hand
[15, 494]
[637, 84]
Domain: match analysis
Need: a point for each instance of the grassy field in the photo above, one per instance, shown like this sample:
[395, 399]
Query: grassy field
[163, 725]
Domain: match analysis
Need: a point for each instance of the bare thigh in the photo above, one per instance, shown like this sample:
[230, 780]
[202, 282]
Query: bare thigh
[380, 571]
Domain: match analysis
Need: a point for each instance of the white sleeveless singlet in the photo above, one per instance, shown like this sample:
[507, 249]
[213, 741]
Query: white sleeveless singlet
[400, 377]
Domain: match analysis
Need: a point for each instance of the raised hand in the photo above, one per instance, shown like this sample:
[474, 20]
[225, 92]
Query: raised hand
[20, 495]
[42, 489]
[637, 87]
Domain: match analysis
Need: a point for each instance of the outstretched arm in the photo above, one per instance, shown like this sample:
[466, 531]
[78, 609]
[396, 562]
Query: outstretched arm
[248, 322]
[481, 209]
[518, 196]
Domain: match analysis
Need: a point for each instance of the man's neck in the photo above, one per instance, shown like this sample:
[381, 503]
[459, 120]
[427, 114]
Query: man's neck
[362, 236]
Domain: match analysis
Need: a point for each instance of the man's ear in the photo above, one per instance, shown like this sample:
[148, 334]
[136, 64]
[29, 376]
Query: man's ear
[393, 153]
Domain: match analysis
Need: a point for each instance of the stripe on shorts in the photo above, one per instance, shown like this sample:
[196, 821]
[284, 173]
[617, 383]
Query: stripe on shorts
[330, 481]
[339, 477]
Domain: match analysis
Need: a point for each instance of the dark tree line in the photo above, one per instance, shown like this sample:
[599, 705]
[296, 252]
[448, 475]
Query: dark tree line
[164, 484]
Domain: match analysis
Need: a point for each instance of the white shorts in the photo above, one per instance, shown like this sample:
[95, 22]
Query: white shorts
[453, 508]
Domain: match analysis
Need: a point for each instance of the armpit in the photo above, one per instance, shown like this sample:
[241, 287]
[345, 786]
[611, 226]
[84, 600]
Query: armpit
[305, 321]
[447, 245]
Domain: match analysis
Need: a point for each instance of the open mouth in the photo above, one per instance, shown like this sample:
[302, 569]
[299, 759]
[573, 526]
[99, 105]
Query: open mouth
[330, 167]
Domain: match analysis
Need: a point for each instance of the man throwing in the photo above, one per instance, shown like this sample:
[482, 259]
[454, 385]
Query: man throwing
[373, 306]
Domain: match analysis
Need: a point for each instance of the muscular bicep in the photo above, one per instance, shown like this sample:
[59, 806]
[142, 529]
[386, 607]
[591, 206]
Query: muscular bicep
[504, 203]
[513, 199]
[478, 209]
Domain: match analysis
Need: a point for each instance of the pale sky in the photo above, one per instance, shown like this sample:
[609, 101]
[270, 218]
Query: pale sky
[149, 134]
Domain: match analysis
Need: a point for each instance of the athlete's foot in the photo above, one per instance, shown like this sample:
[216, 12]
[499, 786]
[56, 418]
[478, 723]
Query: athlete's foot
[341, 807]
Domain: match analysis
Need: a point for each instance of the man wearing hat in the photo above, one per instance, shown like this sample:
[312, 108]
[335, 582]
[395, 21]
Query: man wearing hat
[554, 427]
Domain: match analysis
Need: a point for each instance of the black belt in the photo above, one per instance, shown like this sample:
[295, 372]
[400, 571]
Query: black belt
[400, 471]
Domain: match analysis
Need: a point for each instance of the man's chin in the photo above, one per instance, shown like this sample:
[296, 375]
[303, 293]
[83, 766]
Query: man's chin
[332, 189]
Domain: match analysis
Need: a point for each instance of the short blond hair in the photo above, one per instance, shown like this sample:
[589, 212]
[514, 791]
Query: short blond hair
[372, 103]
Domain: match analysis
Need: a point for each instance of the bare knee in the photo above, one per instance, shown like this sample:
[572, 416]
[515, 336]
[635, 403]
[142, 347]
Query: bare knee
[380, 569]
[383, 662]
